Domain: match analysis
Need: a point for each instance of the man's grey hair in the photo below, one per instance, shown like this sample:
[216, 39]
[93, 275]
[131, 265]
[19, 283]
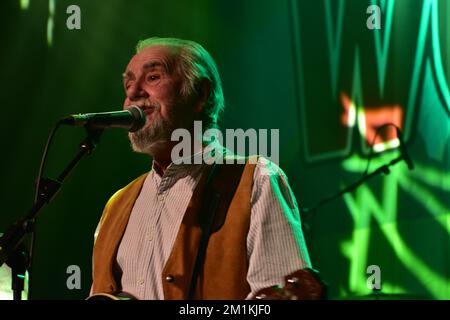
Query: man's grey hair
[194, 64]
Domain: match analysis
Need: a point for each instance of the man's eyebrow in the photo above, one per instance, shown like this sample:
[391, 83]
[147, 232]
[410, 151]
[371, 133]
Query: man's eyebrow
[154, 64]
[149, 65]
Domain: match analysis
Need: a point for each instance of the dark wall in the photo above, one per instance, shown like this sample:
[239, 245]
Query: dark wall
[274, 59]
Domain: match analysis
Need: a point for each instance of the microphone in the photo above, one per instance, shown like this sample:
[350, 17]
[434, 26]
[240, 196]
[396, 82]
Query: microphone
[131, 119]
[404, 151]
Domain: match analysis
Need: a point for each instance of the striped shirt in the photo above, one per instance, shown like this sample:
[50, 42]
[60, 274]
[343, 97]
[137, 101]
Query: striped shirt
[275, 242]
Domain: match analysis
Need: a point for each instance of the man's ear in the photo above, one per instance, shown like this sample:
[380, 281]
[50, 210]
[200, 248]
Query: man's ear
[203, 92]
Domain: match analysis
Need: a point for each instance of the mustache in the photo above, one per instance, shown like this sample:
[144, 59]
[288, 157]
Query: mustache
[145, 104]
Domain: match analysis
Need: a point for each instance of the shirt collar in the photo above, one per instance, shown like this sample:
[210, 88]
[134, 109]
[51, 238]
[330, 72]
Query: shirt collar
[199, 159]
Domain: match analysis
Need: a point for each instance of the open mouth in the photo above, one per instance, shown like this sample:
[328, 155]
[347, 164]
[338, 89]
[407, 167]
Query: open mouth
[148, 110]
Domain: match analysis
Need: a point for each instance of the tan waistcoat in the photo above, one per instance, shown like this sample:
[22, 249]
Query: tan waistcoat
[223, 275]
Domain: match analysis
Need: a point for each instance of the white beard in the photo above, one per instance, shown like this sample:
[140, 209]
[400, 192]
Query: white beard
[152, 136]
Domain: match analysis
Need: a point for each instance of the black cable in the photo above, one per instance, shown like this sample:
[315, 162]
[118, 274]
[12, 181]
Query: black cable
[36, 197]
[44, 159]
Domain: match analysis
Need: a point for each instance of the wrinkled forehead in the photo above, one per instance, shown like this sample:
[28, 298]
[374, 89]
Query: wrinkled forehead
[153, 56]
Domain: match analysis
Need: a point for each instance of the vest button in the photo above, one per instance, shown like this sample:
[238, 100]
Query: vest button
[170, 278]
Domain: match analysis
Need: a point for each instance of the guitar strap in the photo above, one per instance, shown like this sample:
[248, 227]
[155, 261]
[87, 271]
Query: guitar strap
[219, 189]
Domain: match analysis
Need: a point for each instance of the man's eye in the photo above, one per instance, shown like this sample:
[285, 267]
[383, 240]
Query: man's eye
[152, 77]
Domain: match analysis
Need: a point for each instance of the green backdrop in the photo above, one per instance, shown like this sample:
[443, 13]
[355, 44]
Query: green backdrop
[284, 65]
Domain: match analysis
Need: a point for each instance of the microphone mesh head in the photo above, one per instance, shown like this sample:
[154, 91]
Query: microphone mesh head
[139, 118]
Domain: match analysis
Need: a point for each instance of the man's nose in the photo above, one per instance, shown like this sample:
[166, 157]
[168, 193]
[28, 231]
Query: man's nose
[136, 92]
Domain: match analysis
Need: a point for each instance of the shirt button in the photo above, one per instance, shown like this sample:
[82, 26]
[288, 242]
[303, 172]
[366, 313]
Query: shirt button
[141, 282]
[149, 236]
[170, 278]
[161, 198]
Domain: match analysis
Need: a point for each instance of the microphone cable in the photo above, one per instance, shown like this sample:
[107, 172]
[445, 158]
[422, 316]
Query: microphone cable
[36, 196]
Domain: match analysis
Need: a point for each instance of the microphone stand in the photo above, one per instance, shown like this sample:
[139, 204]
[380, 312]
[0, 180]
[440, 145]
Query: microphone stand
[381, 170]
[12, 250]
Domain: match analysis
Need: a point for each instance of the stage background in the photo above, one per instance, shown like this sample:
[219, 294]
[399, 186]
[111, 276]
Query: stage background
[312, 69]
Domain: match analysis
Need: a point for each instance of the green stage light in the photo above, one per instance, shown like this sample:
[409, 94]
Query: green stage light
[24, 4]
[363, 205]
